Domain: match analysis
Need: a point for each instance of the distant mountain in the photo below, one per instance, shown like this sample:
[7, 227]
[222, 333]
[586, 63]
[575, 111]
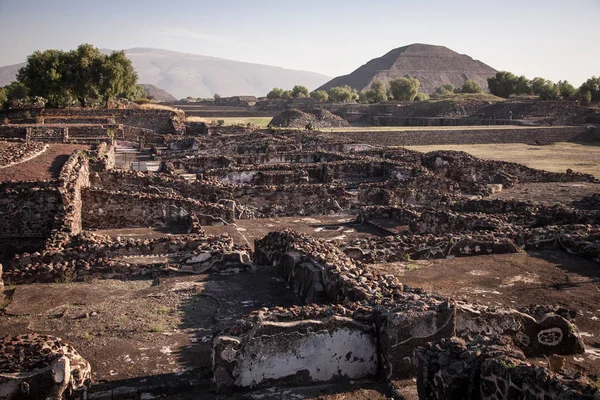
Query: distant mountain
[157, 93]
[195, 75]
[433, 66]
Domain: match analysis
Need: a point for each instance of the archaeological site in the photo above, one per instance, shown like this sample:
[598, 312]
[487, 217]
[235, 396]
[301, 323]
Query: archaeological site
[145, 256]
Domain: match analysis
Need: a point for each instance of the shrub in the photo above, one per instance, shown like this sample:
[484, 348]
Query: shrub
[470, 86]
[404, 89]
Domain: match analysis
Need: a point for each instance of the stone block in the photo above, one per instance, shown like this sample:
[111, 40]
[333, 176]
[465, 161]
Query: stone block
[401, 332]
[298, 353]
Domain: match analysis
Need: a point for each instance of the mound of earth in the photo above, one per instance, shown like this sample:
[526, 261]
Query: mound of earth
[316, 118]
[433, 66]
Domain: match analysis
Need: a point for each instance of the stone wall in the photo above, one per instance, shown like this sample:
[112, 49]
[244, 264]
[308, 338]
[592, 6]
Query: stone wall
[62, 133]
[28, 210]
[109, 210]
[159, 121]
[298, 353]
[471, 136]
[89, 255]
[404, 319]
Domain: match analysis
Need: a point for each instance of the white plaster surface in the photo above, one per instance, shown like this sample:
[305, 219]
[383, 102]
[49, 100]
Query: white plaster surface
[345, 352]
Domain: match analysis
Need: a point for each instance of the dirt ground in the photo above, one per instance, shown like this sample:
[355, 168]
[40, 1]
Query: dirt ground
[45, 166]
[134, 331]
[516, 281]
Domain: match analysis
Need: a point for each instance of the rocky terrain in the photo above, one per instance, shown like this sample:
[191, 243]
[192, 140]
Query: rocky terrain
[289, 263]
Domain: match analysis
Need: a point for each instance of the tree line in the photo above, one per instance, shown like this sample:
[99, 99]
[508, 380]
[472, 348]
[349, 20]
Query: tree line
[506, 84]
[56, 78]
[400, 89]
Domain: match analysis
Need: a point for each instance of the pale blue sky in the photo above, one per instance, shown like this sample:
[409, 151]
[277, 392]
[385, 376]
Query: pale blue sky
[555, 39]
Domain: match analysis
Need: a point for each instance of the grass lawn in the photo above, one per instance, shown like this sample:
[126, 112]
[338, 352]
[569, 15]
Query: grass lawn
[556, 157]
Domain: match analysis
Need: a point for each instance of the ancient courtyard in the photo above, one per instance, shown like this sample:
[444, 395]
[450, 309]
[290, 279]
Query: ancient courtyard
[144, 256]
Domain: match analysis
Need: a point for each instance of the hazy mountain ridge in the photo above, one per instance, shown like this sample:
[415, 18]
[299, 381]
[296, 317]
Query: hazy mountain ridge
[433, 66]
[182, 74]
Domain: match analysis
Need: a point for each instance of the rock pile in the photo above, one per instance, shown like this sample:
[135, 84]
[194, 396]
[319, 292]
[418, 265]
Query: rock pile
[13, 152]
[313, 118]
[490, 369]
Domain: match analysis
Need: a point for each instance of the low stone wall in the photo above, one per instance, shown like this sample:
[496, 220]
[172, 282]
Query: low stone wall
[62, 133]
[474, 174]
[540, 135]
[159, 121]
[109, 210]
[28, 210]
[404, 320]
[298, 353]
[88, 255]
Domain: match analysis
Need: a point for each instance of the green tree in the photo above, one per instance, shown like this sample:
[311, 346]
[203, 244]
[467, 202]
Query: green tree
[320, 95]
[3, 97]
[421, 96]
[537, 85]
[404, 89]
[470, 86]
[549, 91]
[84, 71]
[584, 96]
[444, 90]
[503, 84]
[44, 75]
[287, 94]
[275, 93]
[117, 78]
[343, 94]
[522, 85]
[378, 92]
[565, 89]
[592, 86]
[299, 91]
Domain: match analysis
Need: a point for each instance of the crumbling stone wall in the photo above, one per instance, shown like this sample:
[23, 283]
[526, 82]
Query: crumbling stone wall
[404, 318]
[28, 209]
[89, 255]
[105, 210]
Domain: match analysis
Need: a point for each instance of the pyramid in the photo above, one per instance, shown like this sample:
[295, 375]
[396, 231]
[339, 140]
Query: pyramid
[433, 66]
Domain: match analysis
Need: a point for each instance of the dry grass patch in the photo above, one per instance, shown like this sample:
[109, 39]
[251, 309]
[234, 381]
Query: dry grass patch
[557, 157]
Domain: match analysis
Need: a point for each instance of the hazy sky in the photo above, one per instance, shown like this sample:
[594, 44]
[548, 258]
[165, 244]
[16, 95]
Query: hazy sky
[555, 39]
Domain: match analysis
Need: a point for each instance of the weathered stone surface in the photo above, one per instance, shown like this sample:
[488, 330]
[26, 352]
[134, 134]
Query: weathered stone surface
[551, 334]
[490, 369]
[401, 332]
[296, 353]
[36, 366]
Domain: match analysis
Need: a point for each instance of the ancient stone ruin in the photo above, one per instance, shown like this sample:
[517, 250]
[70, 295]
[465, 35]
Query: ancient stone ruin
[206, 212]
